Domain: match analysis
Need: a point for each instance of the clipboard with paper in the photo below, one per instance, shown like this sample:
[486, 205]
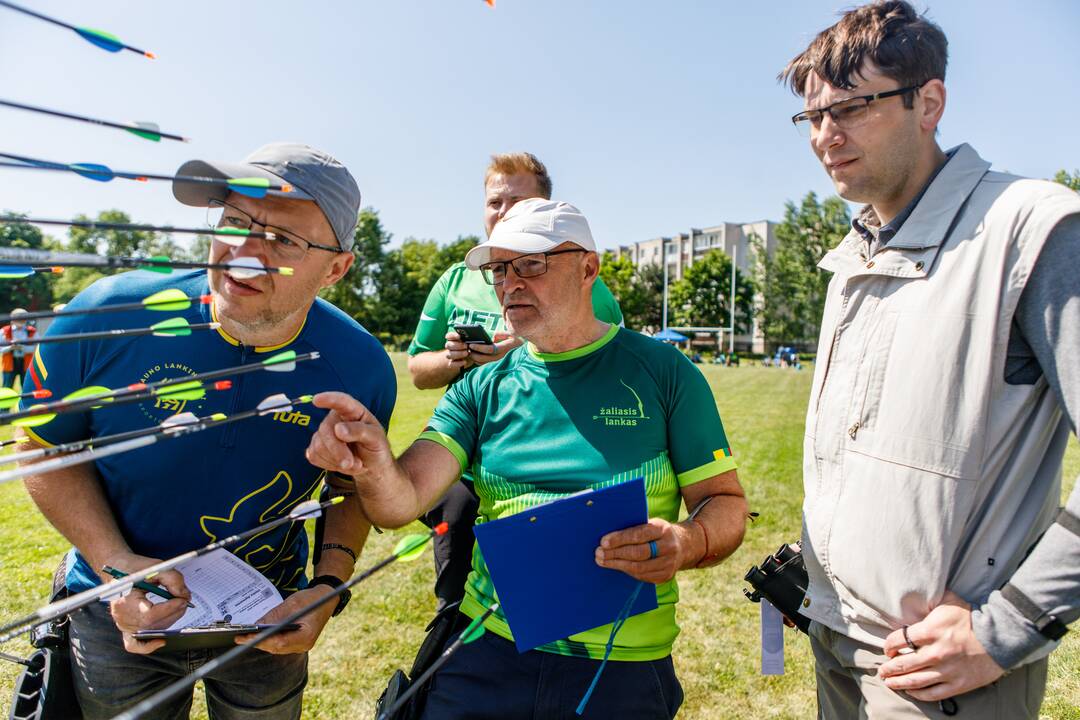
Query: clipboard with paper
[543, 566]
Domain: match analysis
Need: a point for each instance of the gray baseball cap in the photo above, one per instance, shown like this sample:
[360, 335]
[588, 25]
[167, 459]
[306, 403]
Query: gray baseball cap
[313, 174]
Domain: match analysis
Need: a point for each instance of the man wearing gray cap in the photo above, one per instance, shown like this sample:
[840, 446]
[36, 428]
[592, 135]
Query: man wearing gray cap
[583, 405]
[130, 510]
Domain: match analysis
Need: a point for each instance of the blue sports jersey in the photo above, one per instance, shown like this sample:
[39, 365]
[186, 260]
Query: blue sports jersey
[183, 493]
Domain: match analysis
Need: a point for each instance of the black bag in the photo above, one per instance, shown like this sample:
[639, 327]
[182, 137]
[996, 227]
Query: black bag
[46, 690]
[446, 624]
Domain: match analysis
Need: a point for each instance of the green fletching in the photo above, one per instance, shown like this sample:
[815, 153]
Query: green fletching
[184, 391]
[167, 300]
[16, 272]
[165, 270]
[88, 391]
[33, 420]
[281, 357]
[173, 327]
[243, 232]
[8, 398]
[474, 632]
[411, 547]
[145, 134]
[252, 182]
[101, 34]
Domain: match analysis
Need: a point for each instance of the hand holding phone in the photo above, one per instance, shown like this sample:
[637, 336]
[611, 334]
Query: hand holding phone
[473, 334]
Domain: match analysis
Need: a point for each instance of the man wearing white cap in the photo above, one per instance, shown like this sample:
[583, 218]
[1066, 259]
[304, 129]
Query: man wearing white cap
[130, 510]
[583, 404]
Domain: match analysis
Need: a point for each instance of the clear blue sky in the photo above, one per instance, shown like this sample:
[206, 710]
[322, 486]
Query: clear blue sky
[652, 116]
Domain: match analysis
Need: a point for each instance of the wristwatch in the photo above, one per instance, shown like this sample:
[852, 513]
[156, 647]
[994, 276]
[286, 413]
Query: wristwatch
[331, 581]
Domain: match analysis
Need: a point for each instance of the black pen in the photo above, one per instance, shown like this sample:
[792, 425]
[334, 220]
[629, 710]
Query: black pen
[148, 587]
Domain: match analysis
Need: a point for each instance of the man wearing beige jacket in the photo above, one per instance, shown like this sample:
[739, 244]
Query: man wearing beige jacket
[941, 573]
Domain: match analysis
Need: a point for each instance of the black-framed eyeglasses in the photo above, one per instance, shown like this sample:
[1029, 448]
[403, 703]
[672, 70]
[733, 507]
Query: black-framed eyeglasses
[526, 266]
[285, 244]
[846, 114]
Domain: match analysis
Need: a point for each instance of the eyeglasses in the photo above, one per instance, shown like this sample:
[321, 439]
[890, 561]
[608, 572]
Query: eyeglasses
[285, 245]
[847, 114]
[526, 266]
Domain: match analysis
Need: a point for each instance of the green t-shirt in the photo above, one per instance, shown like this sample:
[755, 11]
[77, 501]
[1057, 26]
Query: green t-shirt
[534, 427]
[461, 296]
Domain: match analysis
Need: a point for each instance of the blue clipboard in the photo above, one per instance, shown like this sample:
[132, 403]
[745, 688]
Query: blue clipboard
[542, 562]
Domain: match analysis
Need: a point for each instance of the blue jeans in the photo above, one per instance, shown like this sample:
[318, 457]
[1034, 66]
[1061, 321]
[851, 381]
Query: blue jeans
[489, 680]
[109, 679]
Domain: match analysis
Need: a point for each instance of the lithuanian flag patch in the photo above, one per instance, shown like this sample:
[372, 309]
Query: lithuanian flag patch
[721, 453]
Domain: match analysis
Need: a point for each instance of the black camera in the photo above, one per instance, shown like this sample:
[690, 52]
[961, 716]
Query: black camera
[782, 581]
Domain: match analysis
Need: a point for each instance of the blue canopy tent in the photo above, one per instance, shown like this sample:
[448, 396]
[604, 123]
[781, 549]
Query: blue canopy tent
[669, 335]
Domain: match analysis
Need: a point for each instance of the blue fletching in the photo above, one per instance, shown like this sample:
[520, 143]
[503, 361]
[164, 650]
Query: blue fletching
[8, 272]
[251, 192]
[93, 171]
[103, 40]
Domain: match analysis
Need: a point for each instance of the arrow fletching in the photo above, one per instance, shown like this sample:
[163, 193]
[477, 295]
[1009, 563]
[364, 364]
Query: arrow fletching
[274, 404]
[11, 272]
[93, 171]
[193, 390]
[411, 547]
[247, 267]
[146, 130]
[167, 300]
[474, 631]
[173, 327]
[105, 41]
[282, 362]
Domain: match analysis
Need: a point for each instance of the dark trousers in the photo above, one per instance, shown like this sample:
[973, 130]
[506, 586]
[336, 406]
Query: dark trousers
[108, 679]
[453, 551]
[489, 680]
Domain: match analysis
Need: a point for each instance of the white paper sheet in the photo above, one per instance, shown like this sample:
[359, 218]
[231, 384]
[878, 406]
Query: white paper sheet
[222, 584]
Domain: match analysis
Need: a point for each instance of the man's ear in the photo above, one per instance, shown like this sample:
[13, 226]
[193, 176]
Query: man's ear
[591, 266]
[931, 105]
[338, 267]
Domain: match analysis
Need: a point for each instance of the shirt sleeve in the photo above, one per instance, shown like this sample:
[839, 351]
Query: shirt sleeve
[697, 443]
[1048, 315]
[431, 328]
[61, 369]
[455, 424]
[605, 306]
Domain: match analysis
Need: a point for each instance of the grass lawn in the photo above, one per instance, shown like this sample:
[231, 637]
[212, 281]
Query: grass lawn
[716, 654]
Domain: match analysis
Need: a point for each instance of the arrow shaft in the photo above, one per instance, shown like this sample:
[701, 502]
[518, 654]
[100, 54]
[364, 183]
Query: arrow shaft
[126, 395]
[120, 307]
[160, 432]
[22, 256]
[421, 680]
[100, 335]
[133, 227]
[72, 603]
[92, 121]
[39, 16]
[27, 163]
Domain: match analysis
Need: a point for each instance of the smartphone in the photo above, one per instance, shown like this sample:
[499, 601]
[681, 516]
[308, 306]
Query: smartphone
[473, 334]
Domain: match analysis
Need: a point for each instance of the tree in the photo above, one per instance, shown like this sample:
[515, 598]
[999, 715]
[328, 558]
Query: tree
[351, 292]
[792, 288]
[455, 252]
[1069, 181]
[106, 242]
[702, 298]
[33, 292]
[639, 291]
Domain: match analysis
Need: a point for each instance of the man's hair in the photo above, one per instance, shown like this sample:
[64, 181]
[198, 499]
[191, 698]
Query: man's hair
[890, 34]
[521, 163]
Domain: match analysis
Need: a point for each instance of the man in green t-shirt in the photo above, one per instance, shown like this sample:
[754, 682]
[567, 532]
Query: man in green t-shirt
[585, 404]
[437, 357]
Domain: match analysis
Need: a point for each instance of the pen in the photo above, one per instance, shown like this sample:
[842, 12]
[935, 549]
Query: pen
[148, 587]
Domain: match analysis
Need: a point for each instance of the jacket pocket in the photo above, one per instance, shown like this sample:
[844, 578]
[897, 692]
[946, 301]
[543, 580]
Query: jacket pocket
[923, 398]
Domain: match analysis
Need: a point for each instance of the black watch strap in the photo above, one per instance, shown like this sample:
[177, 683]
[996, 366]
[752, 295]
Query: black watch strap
[331, 581]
